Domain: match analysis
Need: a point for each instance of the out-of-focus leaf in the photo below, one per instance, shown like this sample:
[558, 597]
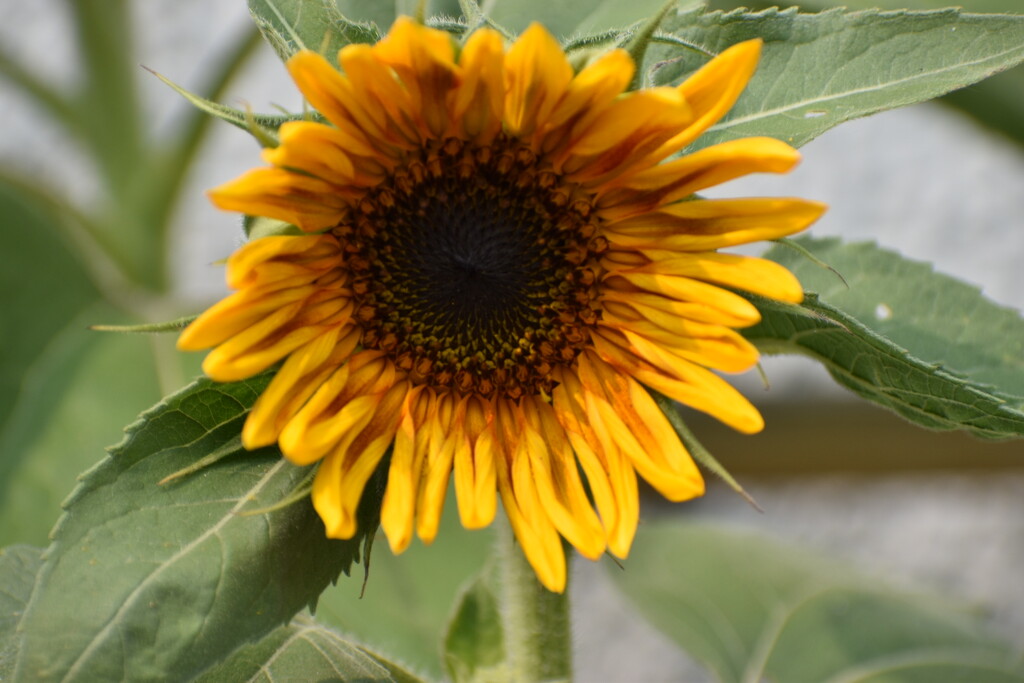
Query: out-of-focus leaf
[380, 14]
[751, 610]
[408, 598]
[18, 567]
[43, 288]
[317, 25]
[920, 343]
[607, 15]
[305, 651]
[79, 395]
[474, 645]
[144, 582]
[819, 70]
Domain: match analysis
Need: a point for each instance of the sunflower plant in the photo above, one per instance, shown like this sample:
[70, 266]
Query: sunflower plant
[480, 274]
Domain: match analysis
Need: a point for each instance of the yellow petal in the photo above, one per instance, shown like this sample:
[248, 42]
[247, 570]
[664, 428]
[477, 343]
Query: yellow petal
[680, 380]
[611, 478]
[437, 469]
[707, 224]
[756, 275]
[557, 480]
[475, 473]
[714, 89]
[536, 77]
[383, 96]
[477, 103]
[334, 96]
[594, 88]
[665, 312]
[297, 380]
[532, 527]
[632, 420]
[668, 182]
[712, 346]
[363, 454]
[398, 510]
[310, 203]
[263, 344]
[626, 133]
[282, 257]
[239, 312]
[339, 409]
[424, 60]
[688, 289]
[342, 475]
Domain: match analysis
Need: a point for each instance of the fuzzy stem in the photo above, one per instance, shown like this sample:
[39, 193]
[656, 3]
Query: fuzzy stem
[538, 643]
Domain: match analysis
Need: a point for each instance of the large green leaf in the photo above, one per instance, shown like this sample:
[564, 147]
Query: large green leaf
[305, 651]
[43, 288]
[819, 70]
[937, 318]
[151, 582]
[917, 342]
[997, 102]
[752, 610]
[293, 25]
[18, 568]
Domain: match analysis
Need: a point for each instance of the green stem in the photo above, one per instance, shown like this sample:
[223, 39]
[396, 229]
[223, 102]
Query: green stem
[538, 644]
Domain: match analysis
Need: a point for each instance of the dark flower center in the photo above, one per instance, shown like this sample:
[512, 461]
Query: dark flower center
[472, 268]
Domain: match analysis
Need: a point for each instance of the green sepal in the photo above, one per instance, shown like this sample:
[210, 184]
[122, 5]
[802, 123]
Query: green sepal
[175, 325]
[263, 127]
[259, 226]
[640, 40]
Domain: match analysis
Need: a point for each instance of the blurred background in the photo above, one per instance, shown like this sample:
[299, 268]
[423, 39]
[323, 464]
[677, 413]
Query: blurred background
[102, 210]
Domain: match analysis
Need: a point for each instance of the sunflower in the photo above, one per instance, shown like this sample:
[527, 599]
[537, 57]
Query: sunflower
[496, 262]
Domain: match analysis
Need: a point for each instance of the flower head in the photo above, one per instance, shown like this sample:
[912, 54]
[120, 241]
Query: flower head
[497, 260]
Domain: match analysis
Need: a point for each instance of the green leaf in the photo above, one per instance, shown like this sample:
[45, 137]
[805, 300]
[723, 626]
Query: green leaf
[43, 288]
[305, 651]
[408, 598]
[939, 319]
[18, 568]
[293, 25]
[236, 117]
[474, 645]
[997, 102]
[77, 397]
[912, 340]
[819, 70]
[752, 610]
[146, 582]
